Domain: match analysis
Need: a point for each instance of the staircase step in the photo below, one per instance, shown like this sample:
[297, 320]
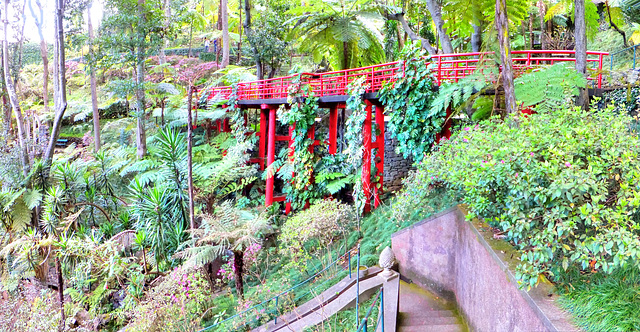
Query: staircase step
[427, 313]
[423, 320]
[432, 328]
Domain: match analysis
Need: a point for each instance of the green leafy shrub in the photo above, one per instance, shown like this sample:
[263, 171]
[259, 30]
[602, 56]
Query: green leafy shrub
[561, 185]
[324, 223]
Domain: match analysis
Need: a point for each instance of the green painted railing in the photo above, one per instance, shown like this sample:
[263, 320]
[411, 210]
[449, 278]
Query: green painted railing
[268, 308]
[624, 53]
[380, 320]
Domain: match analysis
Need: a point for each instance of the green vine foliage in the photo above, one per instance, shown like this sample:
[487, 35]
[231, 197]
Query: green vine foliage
[301, 115]
[354, 138]
[408, 102]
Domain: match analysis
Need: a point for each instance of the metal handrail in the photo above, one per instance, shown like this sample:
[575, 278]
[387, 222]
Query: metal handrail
[635, 49]
[276, 297]
[363, 325]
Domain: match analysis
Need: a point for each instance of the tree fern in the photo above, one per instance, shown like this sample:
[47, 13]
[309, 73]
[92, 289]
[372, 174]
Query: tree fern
[548, 87]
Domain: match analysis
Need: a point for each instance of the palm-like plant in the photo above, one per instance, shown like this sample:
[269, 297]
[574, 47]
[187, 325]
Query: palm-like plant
[343, 31]
[228, 229]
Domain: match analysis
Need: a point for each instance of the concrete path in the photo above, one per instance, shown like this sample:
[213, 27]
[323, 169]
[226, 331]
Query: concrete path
[422, 311]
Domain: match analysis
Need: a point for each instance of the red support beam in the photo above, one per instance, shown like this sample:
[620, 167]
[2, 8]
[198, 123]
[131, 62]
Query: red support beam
[271, 155]
[366, 158]
[378, 190]
[263, 137]
[333, 129]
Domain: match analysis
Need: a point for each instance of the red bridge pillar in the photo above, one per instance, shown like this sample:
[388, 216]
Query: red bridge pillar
[379, 160]
[271, 152]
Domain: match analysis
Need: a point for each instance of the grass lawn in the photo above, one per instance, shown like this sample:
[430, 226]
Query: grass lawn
[605, 303]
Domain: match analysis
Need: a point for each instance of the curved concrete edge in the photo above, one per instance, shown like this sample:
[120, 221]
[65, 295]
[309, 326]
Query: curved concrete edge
[461, 261]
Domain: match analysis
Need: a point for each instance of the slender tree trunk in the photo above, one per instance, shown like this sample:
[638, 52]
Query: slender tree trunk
[189, 54]
[60, 294]
[400, 34]
[166, 4]
[502, 27]
[43, 53]
[249, 31]
[192, 222]
[225, 33]
[581, 49]
[60, 82]
[45, 74]
[345, 55]
[141, 135]
[436, 15]
[13, 98]
[92, 78]
[530, 31]
[238, 265]
[240, 32]
[543, 12]
[476, 38]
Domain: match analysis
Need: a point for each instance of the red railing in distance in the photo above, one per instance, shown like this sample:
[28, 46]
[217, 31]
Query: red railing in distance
[447, 68]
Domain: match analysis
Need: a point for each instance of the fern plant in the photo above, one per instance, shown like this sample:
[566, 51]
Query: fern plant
[228, 229]
[549, 87]
[341, 31]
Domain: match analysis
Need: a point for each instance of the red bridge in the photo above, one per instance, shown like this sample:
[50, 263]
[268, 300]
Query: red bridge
[267, 96]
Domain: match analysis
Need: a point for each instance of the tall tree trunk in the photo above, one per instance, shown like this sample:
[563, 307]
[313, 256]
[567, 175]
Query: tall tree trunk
[238, 265]
[60, 294]
[502, 27]
[45, 74]
[476, 38]
[166, 5]
[92, 79]
[240, 32]
[141, 135]
[436, 16]
[400, 35]
[530, 31]
[59, 82]
[13, 98]
[189, 54]
[192, 222]
[249, 30]
[225, 33]
[580, 33]
[543, 12]
[345, 55]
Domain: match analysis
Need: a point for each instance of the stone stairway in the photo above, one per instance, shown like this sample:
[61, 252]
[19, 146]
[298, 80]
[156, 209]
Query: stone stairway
[421, 311]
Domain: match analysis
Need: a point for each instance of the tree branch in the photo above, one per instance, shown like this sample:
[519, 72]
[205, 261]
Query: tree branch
[405, 26]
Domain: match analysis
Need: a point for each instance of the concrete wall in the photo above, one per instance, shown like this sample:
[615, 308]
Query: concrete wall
[396, 167]
[462, 262]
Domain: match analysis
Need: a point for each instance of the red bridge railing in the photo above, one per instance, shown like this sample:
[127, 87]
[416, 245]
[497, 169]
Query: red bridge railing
[447, 68]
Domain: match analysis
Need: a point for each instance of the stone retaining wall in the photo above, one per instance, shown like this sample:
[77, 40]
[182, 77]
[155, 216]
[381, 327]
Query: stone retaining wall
[461, 261]
[396, 167]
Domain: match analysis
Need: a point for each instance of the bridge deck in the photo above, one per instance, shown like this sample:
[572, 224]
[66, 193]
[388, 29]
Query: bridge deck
[446, 68]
